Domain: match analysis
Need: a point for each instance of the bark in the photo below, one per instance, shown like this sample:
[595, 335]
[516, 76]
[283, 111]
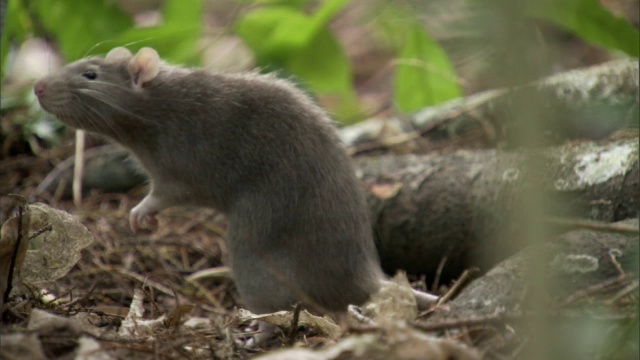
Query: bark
[548, 299]
[583, 103]
[574, 265]
[465, 206]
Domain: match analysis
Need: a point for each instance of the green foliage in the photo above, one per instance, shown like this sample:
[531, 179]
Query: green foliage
[592, 22]
[284, 36]
[75, 26]
[424, 74]
[293, 3]
[92, 27]
[89, 27]
[16, 26]
[176, 38]
[294, 35]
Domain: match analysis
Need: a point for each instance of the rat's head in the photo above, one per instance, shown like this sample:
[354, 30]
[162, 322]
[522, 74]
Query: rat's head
[95, 93]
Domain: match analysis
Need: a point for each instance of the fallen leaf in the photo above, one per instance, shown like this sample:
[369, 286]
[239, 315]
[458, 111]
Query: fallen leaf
[283, 319]
[385, 191]
[398, 341]
[53, 253]
[394, 301]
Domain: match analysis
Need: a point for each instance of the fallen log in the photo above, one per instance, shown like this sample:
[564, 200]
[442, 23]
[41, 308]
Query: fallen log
[584, 284]
[467, 206]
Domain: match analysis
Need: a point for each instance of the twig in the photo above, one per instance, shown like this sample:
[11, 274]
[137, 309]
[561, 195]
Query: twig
[436, 278]
[38, 232]
[452, 324]
[14, 257]
[152, 284]
[594, 289]
[620, 228]
[293, 329]
[415, 134]
[78, 170]
[205, 292]
[462, 280]
[73, 301]
[631, 287]
[615, 262]
[145, 281]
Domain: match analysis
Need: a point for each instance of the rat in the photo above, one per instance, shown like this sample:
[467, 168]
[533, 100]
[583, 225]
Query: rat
[250, 145]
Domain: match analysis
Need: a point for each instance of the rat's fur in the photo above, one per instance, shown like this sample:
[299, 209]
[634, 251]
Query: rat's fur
[250, 145]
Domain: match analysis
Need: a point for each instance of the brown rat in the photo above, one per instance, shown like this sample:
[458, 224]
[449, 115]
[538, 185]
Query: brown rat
[250, 145]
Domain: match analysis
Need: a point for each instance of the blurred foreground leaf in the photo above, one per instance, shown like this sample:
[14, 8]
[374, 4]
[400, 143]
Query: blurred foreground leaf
[592, 22]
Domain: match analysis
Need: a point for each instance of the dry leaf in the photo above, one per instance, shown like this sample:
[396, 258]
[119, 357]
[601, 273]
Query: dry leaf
[398, 342]
[53, 253]
[385, 191]
[283, 319]
[395, 301]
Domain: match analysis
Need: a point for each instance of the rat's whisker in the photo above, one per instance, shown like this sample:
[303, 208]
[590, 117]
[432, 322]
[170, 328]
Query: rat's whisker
[95, 46]
[105, 98]
[95, 124]
[137, 41]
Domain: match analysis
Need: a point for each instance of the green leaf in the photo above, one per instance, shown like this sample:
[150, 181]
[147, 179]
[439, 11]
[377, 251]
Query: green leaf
[424, 75]
[15, 28]
[303, 45]
[79, 25]
[326, 12]
[174, 43]
[298, 4]
[187, 13]
[274, 32]
[592, 22]
[326, 69]
[175, 40]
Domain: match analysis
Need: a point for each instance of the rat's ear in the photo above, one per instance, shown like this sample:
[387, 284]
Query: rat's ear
[117, 54]
[145, 66]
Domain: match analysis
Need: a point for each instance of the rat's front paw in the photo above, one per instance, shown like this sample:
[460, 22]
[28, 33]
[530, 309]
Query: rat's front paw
[142, 214]
[136, 220]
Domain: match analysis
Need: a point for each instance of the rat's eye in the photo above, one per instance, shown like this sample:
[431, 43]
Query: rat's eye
[90, 74]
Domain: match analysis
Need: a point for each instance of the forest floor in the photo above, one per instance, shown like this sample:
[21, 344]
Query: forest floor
[100, 288]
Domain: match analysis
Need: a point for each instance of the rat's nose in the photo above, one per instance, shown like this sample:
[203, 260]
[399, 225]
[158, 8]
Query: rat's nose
[39, 88]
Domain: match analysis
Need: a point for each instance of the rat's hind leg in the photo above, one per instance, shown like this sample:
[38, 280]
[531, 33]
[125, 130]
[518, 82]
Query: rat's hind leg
[265, 332]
